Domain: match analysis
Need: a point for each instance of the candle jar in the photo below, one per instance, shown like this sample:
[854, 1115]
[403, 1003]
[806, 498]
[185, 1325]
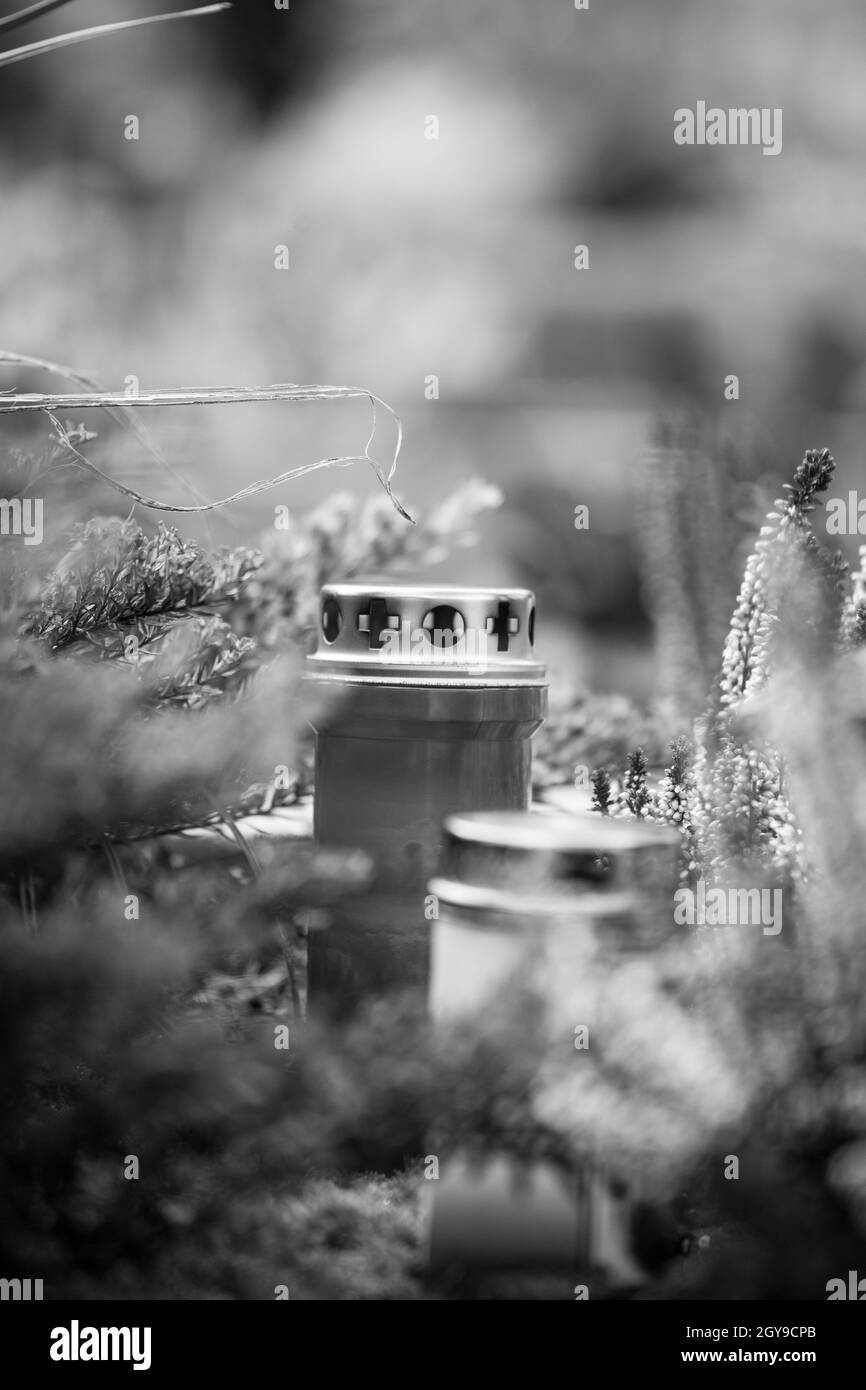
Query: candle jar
[525, 898]
[537, 876]
[428, 697]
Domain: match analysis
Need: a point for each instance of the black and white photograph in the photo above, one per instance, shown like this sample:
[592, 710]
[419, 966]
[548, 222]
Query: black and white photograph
[432, 673]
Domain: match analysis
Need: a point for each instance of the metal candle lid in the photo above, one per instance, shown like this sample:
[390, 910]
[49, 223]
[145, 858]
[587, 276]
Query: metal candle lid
[508, 859]
[438, 634]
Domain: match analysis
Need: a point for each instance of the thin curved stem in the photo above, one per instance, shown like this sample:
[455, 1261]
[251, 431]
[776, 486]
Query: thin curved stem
[33, 50]
[14, 21]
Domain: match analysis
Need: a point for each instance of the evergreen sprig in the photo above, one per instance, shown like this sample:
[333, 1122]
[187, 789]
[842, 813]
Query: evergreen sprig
[116, 575]
[675, 805]
[601, 791]
[635, 794]
[200, 660]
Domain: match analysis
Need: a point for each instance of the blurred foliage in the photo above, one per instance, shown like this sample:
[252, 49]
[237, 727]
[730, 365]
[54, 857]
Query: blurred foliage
[155, 1036]
[688, 489]
[729, 1042]
[342, 540]
[584, 729]
[154, 1033]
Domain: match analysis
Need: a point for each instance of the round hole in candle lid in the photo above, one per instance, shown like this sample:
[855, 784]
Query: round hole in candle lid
[444, 625]
[332, 620]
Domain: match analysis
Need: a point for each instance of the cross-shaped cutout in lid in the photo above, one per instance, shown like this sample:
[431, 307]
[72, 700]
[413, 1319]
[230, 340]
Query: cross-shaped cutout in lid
[504, 626]
[377, 621]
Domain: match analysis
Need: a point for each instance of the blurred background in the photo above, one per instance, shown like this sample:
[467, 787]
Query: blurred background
[439, 273]
[413, 258]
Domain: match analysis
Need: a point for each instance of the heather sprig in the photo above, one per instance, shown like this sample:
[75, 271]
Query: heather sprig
[743, 817]
[675, 805]
[601, 791]
[199, 660]
[677, 784]
[115, 575]
[635, 796]
[728, 795]
[746, 658]
[853, 622]
[791, 599]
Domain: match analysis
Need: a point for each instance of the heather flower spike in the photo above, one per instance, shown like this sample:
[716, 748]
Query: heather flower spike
[635, 795]
[743, 811]
[745, 662]
[601, 796]
[853, 621]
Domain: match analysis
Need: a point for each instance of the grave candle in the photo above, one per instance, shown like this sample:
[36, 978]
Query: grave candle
[525, 896]
[431, 695]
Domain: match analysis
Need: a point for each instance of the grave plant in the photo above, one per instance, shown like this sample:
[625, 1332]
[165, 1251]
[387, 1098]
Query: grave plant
[168, 1128]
